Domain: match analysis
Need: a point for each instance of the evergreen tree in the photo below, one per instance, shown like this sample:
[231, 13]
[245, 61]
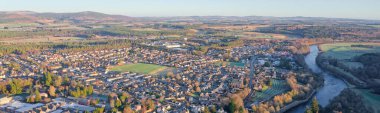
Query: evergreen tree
[114, 110]
[66, 80]
[118, 103]
[48, 79]
[13, 88]
[315, 105]
[84, 92]
[231, 107]
[99, 110]
[124, 96]
[31, 99]
[30, 90]
[308, 110]
[38, 96]
[206, 110]
[266, 64]
[90, 90]
[213, 109]
[16, 86]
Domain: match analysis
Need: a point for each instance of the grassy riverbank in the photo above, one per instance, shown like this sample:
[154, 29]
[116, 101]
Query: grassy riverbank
[341, 59]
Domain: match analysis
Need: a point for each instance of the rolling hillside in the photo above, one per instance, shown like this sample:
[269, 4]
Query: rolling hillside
[30, 17]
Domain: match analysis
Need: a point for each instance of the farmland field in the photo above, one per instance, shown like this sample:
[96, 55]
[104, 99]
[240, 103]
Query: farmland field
[234, 27]
[343, 51]
[377, 26]
[353, 65]
[371, 100]
[145, 29]
[264, 36]
[139, 68]
[278, 87]
[41, 39]
[256, 35]
[17, 25]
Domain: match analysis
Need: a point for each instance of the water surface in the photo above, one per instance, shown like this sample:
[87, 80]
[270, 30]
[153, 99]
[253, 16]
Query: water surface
[332, 85]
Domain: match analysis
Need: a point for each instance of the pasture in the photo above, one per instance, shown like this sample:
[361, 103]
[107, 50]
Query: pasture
[278, 87]
[234, 27]
[40, 39]
[256, 35]
[343, 51]
[12, 25]
[370, 99]
[353, 65]
[264, 36]
[377, 26]
[139, 68]
[145, 29]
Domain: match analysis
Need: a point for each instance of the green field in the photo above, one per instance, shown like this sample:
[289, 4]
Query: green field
[18, 25]
[353, 65]
[238, 64]
[371, 100]
[278, 87]
[377, 26]
[264, 36]
[343, 51]
[139, 68]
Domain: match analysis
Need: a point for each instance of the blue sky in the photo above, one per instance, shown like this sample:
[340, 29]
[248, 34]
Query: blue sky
[363, 9]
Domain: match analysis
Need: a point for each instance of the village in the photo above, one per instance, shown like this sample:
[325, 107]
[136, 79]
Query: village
[189, 83]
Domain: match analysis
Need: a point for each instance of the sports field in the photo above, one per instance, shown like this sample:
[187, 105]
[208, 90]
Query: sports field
[278, 87]
[343, 51]
[139, 68]
[238, 64]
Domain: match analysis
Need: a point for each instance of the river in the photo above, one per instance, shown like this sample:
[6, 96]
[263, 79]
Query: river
[332, 85]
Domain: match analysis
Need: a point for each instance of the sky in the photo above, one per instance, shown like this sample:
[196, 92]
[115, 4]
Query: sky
[359, 9]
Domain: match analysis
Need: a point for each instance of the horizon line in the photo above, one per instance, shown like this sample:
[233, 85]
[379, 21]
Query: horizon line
[195, 15]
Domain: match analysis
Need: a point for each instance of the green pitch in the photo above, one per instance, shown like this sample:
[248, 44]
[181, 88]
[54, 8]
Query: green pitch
[139, 68]
[238, 64]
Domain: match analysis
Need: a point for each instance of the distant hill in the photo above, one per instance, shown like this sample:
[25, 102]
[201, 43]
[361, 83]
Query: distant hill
[17, 16]
[94, 17]
[28, 16]
[83, 16]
